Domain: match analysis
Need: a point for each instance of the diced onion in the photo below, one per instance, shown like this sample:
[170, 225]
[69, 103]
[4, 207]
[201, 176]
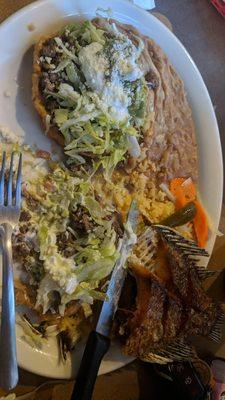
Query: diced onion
[188, 181]
[166, 190]
[134, 148]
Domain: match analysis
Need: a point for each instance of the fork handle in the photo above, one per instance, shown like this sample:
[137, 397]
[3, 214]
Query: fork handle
[8, 359]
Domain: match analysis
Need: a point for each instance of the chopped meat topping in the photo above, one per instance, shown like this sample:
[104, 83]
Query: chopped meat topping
[25, 216]
[20, 248]
[81, 221]
[49, 49]
[24, 228]
[65, 241]
[46, 83]
[32, 203]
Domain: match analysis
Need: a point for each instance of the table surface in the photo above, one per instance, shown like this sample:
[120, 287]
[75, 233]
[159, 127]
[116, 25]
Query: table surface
[202, 30]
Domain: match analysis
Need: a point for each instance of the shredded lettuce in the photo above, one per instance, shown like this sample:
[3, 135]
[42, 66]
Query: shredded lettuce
[94, 208]
[76, 276]
[73, 74]
[67, 53]
[61, 115]
[92, 34]
[31, 336]
[62, 65]
[101, 97]
[110, 162]
[99, 138]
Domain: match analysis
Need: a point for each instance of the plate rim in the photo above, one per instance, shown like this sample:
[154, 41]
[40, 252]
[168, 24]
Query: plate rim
[40, 3]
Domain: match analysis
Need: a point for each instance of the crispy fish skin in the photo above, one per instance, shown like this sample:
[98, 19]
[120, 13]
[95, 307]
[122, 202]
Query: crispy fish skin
[147, 323]
[169, 313]
[186, 281]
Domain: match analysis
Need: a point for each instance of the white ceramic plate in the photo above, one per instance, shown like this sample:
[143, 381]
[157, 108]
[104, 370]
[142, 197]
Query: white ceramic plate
[17, 113]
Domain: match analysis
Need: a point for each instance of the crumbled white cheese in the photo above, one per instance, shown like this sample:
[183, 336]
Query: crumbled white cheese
[116, 100]
[9, 136]
[94, 65]
[108, 81]
[60, 269]
[125, 56]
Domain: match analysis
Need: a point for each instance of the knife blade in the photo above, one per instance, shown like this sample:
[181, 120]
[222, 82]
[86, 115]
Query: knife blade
[115, 286]
[98, 341]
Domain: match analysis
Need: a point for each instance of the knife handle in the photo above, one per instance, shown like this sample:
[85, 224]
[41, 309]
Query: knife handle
[95, 349]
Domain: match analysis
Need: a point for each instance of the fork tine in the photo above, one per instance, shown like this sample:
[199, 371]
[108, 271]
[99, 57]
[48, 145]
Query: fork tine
[2, 178]
[19, 181]
[10, 182]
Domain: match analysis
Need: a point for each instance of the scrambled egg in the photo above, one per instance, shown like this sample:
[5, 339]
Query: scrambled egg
[153, 203]
[154, 210]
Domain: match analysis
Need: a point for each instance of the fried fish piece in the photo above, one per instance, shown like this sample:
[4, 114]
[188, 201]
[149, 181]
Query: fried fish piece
[168, 312]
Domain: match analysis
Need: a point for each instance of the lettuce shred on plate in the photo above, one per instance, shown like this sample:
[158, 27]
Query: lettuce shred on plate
[95, 92]
[10, 396]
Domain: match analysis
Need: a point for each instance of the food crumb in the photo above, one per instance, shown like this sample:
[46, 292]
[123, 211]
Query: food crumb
[43, 154]
[7, 93]
[31, 27]
[9, 136]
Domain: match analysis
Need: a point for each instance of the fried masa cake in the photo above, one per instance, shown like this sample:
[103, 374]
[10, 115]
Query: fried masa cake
[167, 139]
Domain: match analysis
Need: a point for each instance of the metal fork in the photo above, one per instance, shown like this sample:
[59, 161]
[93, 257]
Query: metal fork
[10, 201]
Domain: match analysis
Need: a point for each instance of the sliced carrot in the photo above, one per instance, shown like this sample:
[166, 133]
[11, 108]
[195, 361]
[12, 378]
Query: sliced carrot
[189, 190]
[175, 184]
[183, 190]
[180, 198]
[201, 225]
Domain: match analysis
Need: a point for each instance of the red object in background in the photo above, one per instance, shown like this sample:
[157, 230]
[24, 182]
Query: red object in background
[220, 6]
